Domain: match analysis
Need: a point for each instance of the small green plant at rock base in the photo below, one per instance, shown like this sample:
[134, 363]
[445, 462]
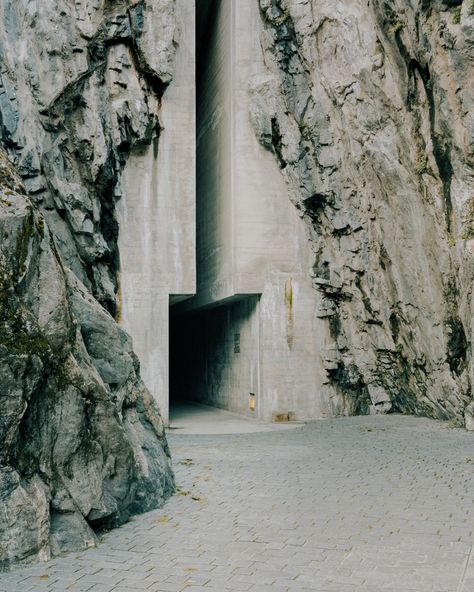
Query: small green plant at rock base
[471, 9]
[399, 348]
[421, 165]
[456, 15]
[456, 422]
[40, 227]
[451, 241]
[397, 27]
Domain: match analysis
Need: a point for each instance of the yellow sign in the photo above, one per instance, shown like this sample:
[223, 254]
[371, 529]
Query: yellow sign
[251, 402]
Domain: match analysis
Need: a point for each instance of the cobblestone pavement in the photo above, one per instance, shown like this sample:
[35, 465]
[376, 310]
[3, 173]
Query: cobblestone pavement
[380, 504]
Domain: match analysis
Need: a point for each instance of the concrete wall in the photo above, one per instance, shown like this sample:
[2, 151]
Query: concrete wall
[245, 221]
[157, 220]
[268, 233]
[250, 241]
[253, 256]
[273, 255]
[257, 344]
[292, 375]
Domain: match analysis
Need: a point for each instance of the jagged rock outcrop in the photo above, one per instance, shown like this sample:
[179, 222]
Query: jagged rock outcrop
[82, 444]
[369, 110]
[81, 84]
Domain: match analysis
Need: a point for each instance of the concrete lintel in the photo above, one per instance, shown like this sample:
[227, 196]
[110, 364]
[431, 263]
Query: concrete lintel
[177, 298]
[195, 304]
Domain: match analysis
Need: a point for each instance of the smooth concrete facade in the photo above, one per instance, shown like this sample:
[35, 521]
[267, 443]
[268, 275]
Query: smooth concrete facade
[245, 221]
[253, 257]
[157, 220]
[250, 334]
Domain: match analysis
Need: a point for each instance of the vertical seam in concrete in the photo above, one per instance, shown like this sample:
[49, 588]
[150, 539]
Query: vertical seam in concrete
[232, 141]
[260, 402]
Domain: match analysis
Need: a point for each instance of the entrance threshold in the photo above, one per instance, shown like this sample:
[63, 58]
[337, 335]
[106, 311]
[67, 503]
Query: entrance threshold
[188, 417]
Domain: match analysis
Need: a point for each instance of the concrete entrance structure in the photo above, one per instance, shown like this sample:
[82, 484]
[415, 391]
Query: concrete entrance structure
[253, 326]
[250, 332]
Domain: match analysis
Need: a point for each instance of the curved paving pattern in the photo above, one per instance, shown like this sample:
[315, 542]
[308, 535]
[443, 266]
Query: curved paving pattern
[370, 504]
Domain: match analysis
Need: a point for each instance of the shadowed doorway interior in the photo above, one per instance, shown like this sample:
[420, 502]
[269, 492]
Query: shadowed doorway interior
[214, 356]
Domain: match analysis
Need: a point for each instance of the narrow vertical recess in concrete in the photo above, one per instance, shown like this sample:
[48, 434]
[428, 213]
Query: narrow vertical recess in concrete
[214, 140]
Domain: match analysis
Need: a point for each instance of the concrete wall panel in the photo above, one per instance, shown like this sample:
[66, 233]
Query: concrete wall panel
[157, 220]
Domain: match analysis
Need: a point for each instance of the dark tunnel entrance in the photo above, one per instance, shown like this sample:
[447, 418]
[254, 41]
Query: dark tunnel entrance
[214, 356]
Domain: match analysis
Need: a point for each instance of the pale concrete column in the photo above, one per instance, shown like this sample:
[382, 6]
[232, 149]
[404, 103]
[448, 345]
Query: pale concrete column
[157, 236]
[176, 163]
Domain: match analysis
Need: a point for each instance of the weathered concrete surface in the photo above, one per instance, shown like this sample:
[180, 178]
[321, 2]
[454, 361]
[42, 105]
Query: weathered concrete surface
[82, 442]
[253, 262]
[368, 109]
[366, 504]
[157, 218]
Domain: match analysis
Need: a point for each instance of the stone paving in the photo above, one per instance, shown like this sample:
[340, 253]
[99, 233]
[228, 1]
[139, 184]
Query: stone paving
[371, 504]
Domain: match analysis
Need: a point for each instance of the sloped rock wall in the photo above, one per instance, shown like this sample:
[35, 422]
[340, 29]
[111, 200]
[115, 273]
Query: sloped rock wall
[368, 108]
[82, 444]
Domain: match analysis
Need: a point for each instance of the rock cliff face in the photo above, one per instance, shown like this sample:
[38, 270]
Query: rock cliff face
[81, 85]
[82, 444]
[368, 107]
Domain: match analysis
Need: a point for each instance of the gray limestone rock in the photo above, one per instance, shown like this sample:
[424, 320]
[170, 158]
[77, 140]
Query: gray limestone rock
[469, 417]
[80, 89]
[82, 444]
[368, 109]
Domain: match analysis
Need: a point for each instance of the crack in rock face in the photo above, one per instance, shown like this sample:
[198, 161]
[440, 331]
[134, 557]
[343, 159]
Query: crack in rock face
[82, 444]
[369, 111]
